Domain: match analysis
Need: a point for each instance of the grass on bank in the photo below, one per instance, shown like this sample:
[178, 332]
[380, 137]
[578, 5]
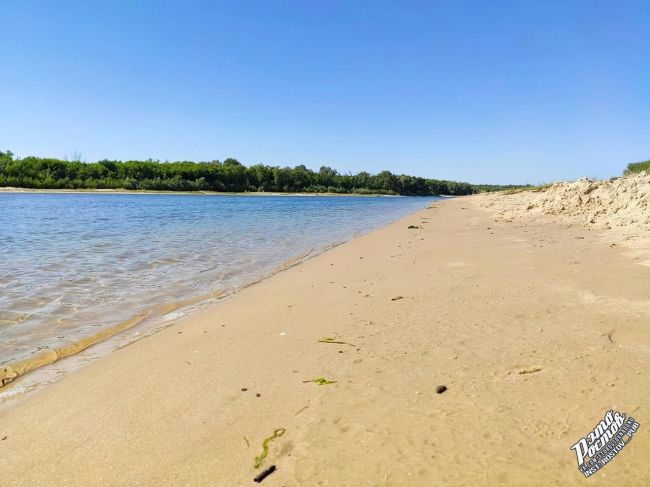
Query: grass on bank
[634, 167]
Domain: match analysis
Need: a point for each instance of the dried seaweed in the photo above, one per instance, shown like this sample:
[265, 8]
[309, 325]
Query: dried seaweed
[334, 340]
[321, 381]
[265, 446]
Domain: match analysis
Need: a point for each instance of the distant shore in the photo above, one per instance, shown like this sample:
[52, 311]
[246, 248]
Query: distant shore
[196, 193]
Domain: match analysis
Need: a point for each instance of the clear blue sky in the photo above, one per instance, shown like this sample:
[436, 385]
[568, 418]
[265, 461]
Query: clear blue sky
[511, 92]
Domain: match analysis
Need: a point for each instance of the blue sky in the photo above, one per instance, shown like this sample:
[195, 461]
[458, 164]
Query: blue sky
[498, 92]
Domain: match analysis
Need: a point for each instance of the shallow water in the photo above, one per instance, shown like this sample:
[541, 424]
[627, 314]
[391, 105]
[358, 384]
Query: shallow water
[74, 265]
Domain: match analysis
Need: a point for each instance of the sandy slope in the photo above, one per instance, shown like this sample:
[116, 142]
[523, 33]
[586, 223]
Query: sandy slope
[619, 205]
[536, 328]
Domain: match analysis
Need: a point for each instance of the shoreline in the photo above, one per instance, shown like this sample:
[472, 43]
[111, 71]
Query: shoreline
[14, 190]
[124, 333]
[535, 327]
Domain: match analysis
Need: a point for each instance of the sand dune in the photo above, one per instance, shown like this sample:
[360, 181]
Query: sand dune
[619, 208]
[622, 203]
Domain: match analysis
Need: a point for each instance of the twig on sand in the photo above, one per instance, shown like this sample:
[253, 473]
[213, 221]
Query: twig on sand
[532, 370]
[334, 340]
[265, 473]
[302, 409]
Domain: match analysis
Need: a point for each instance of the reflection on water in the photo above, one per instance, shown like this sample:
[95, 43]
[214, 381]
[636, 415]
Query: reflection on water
[75, 264]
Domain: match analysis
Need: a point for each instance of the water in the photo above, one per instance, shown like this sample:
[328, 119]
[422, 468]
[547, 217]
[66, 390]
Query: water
[74, 265]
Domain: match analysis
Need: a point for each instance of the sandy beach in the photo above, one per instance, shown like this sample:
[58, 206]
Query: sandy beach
[536, 325]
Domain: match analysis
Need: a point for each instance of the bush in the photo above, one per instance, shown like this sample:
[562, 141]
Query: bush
[638, 167]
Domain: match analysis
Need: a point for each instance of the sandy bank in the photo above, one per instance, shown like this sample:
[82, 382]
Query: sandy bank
[536, 328]
[619, 208]
[619, 203]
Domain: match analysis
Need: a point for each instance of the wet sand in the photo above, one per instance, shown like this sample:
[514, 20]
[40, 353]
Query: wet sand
[536, 328]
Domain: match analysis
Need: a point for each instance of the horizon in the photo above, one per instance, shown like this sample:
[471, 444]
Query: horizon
[508, 94]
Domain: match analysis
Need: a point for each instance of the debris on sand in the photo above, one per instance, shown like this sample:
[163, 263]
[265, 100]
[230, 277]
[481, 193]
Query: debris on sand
[334, 340]
[321, 381]
[265, 447]
[306, 406]
[262, 475]
[532, 370]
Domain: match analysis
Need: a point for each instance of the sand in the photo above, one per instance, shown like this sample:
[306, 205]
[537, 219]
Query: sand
[536, 325]
[621, 205]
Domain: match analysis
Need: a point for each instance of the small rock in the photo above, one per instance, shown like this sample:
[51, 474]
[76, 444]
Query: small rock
[441, 389]
[243, 389]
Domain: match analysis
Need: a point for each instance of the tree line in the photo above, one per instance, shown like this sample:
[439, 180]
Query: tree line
[227, 176]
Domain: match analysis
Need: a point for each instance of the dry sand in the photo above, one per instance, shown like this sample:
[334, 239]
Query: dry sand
[621, 205]
[536, 326]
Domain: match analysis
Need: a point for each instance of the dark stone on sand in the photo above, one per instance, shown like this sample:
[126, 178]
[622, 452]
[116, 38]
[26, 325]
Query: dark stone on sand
[441, 389]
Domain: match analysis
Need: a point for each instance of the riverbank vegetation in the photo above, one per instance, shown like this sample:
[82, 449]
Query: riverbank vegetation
[227, 176]
[638, 167]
